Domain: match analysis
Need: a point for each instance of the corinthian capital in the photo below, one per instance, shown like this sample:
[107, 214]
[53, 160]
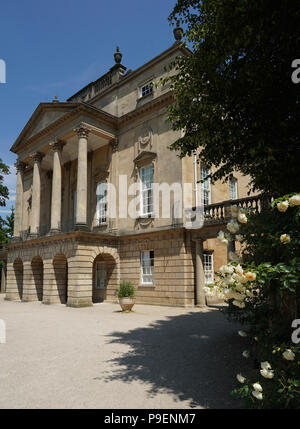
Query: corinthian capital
[57, 145]
[20, 166]
[82, 131]
[114, 145]
[37, 157]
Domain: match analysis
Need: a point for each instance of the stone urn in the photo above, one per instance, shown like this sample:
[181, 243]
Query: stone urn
[126, 303]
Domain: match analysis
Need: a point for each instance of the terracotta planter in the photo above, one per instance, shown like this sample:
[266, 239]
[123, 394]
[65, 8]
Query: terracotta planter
[126, 303]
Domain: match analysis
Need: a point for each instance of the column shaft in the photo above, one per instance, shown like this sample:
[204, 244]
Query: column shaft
[56, 188]
[19, 199]
[82, 179]
[200, 278]
[36, 195]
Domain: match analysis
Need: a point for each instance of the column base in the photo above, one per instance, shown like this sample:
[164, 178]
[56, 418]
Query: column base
[82, 227]
[30, 299]
[12, 297]
[51, 300]
[79, 302]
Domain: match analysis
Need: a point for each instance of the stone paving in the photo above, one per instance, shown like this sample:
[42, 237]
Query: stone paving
[98, 357]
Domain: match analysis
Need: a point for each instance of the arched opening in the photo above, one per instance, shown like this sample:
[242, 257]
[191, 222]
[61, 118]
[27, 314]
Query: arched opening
[103, 277]
[38, 276]
[18, 270]
[60, 264]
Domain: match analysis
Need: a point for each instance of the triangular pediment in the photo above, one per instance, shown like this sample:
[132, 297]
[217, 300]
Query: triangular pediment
[45, 115]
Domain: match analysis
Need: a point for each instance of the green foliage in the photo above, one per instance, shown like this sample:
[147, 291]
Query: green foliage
[4, 169]
[269, 313]
[126, 290]
[7, 228]
[234, 96]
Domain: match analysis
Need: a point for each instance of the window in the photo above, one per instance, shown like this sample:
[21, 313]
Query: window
[146, 89]
[146, 175]
[233, 188]
[208, 261]
[205, 186]
[74, 206]
[147, 267]
[101, 203]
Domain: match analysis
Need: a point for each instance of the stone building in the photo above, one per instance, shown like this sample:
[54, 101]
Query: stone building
[74, 240]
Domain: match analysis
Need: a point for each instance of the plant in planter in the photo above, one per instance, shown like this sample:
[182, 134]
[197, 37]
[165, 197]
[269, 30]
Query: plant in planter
[126, 295]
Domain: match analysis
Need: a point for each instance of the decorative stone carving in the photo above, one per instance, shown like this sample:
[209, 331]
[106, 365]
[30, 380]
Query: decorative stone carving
[114, 145]
[37, 157]
[57, 145]
[20, 166]
[145, 137]
[82, 131]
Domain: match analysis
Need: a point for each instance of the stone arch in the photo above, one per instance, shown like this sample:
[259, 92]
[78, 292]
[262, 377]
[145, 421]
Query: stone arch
[104, 288]
[19, 276]
[37, 267]
[60, 266]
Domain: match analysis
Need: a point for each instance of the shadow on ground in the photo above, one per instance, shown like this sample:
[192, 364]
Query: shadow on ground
[194, 356]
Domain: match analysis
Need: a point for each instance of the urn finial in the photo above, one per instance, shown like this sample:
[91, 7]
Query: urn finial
[118, 56]
[178, 32]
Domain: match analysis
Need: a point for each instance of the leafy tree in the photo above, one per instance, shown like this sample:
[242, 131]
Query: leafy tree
[7, 227]
[4, 170]
[234, 96]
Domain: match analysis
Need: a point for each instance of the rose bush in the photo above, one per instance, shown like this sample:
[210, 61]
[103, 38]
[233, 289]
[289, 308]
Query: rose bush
[261, 287]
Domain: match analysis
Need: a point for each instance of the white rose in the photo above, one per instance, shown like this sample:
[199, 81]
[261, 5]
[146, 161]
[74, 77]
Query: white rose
[240, 288]
[283, 206]
[234, 211]
[240, 378]
[257, 395]
[239, 270]
[288, 355]
[285, 238]
[238, 304]
[250, 294]
[246, 354]
[239, 237]
[242, 334]
[265, 365]
[221, 237]
[242, 218]
[267, 373]
[233, 226]
[250, 276]
[257, 387]
[294, 200]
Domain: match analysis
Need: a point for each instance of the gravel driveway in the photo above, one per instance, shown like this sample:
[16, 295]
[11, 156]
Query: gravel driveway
[98, 357]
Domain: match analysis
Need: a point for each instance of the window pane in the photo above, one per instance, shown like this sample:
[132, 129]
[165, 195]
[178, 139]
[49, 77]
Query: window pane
[147, 267]
[146, 175]
[208, 267]
[101, 202]
[205, 186]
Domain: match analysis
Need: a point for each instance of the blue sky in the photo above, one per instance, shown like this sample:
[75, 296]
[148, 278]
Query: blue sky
[55, 48]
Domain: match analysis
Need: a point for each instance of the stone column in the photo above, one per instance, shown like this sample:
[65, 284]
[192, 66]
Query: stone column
[82, 179]
[56, 202]
[20, 166]
[200, 278]
[3, 277]
[36, 195]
